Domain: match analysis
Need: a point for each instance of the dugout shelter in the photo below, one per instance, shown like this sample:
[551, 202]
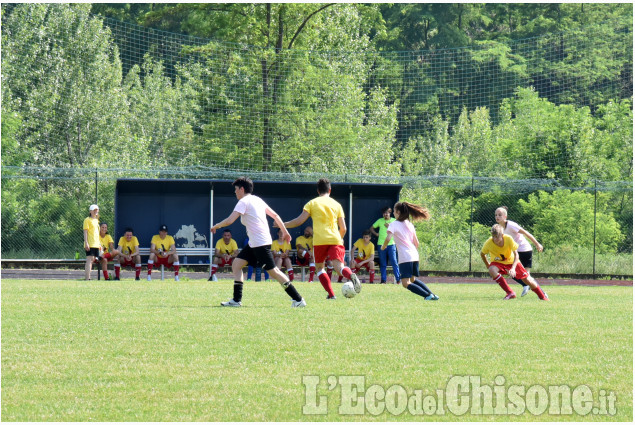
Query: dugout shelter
[190, 207]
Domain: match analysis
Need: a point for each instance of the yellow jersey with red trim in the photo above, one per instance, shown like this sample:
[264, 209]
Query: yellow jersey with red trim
[501, 254]
[364, 252]
[325, 212]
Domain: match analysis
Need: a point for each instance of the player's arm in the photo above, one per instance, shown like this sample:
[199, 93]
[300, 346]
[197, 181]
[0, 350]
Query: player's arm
[387, 240]
[512, 271]
[342, 224]
[228, 221]
[415, 241]
[153, 249]
[171, 250]
[531, 238]
[134, 253]
[372, 230]
[484, 258]
[354, 252]
[86, 246]
[304, 216]
[278, 221]
[111, 248]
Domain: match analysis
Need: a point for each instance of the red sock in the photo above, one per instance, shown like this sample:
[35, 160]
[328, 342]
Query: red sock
[503, 284]
[539, 292]
[106, 274]
[150, 268]
[290, 270]
[137, 271]
[346, 272]
[326, 283]
[339, 279]
[372, 276]
[176, 269]
[117, 271]
[311, 273]
[214, 268]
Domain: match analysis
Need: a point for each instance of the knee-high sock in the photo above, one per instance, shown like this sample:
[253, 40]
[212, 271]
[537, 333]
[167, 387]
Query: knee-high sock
[150, 265]
[105, 274]
[423, 286]
[117, 270]
[346, 272]
[311, 271]
[214, 268]
[520, 281]
[176, 266]
[326, 283]
[539, 292]
[137, 270]
[290, 271]
[372, 275]
[291, 291]
[238, 291]
[503, 284]
[417, 290]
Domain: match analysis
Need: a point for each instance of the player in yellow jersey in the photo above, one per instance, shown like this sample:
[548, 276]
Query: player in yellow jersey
[503, 253]
[224, 254]
[91, 239]
[330, 228]
[365, 256]
[107, 250]
[280, 250]
[129, 255]
[163, 252]
[304, 249]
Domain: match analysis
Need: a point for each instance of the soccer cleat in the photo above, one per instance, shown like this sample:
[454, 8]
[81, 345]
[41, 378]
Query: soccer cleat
[356, 283]
[214, 278]
[176, 278]
[525, 290]
[136, 278]
[300, 303]
[383, 282]
[329, 297]
[510, 296]
[430, 297]
[210, 279]
[116, 278]
[436, 297]
[231, 303]
[149, 278]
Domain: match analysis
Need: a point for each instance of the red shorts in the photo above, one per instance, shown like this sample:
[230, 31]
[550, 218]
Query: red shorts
[126, 263]
[521, 273]
[107, 256]
[332, 252]
[365, 266]
[303, 261]
[222, 262]
[163, 261]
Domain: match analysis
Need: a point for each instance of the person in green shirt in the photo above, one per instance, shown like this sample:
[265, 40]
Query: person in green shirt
[390, 252]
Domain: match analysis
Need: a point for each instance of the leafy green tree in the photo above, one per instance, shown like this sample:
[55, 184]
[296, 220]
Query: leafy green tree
[64, 80]
[565, 218]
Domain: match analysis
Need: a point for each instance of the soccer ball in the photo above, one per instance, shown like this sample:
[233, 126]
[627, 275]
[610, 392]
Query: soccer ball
[348, 291]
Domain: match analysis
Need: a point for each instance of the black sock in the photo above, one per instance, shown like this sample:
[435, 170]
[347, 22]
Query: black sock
[423, 286]
[417, 290]
[292, 292]
[238, 291]
[520, 282]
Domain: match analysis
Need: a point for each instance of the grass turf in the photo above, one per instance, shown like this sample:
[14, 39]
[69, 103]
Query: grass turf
[166, 351]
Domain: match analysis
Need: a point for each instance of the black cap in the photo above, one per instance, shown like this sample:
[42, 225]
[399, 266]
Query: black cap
[163, 227]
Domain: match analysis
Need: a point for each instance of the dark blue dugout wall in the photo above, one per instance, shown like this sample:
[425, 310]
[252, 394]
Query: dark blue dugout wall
[189, 207]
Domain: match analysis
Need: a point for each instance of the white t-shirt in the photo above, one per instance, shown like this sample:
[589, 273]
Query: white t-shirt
[253, 216]
[403, 232]
[512, 229]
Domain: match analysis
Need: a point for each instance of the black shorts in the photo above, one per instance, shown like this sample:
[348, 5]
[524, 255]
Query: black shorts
[92, 252]
[409, 269]
[260, 256]
[525, 258]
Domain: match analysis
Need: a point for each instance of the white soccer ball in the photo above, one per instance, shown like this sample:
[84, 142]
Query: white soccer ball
[348, 290]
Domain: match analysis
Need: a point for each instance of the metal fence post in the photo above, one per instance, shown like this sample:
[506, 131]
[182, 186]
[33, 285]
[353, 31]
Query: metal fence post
[595, 215]
[469, 268]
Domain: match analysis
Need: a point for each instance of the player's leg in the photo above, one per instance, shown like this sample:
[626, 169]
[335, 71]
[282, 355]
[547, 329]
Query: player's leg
[370, 266]
[525, 260]
[151, 259]
[534, 285]
[289, 266]
[88, 267]
[137, 266]
[495, 273]
[104, 265]
[212, 275]
[174, 260]
[416, 280]
[117, 265]
[336, 253]
[383, 255]
[392, 256]
[320, 253]
[264, 257]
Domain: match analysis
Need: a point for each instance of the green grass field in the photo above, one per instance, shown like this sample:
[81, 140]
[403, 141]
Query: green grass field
[165, 351]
